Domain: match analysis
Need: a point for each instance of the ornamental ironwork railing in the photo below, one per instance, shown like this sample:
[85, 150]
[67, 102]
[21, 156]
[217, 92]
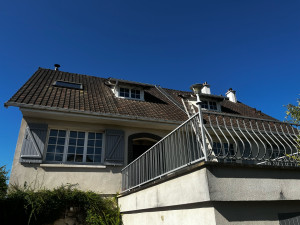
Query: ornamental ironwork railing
[227, 139]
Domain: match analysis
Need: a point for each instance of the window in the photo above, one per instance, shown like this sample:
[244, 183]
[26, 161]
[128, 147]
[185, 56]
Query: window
[135, 94]
[213, 105]
[56, 143]
[74, 147]
[130, 93]
[124, 92]
[217, 149]
[66, 84]
[204, 104]
[209, 105]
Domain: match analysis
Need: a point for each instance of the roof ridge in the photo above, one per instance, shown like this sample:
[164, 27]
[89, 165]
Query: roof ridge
[41, 68]
[73, 73]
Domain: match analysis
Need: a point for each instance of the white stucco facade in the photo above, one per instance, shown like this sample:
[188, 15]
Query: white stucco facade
[104, 179]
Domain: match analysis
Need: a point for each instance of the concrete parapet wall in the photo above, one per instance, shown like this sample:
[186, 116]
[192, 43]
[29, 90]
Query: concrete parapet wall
[252, 183]
[172, 217]
[214, 193]
[190, 188]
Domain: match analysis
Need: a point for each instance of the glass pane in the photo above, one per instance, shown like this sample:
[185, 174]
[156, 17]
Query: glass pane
[91, 135]
[89, 158]
[204, 104]
[98, 150]
[62, 133]
[71, 149]
[79, 158]
[90, 150]
[49, 157]
[213, 105]
[79, 150]
[72, 141]
[97, 158]
[124, 92]
[60, 149]
[61, 141]
[98, 135]
[91, 143]
[81, 134]
[80, 142]
[73, 134]
[99, 143]
[70, 157]
[53, 133]
[52, 140]
[51, 148]
[135, 94]
[68, 84]
[59, 157]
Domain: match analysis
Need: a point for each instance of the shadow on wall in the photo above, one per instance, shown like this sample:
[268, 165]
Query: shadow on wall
[256, 211]
[254, 171]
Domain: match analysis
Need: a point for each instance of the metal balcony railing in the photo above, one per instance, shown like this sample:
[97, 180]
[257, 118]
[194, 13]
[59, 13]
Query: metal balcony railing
[228, 139]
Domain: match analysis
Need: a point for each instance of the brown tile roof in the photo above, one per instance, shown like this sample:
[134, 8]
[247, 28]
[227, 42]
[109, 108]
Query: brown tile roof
[97, 97]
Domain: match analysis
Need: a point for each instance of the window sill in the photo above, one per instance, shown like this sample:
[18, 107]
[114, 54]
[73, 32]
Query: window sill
[73, 166]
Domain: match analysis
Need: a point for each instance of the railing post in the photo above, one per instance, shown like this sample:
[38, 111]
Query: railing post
[201, 127]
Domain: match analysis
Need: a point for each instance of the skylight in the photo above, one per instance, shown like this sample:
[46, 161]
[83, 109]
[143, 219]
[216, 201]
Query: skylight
[66, 84]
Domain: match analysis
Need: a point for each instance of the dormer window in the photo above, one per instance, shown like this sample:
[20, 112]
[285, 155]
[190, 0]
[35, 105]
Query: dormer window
[213, 106]
[124, 92]
[129, 93]
[204, 104]
[127, 89]
[209, 105]
[135, 94]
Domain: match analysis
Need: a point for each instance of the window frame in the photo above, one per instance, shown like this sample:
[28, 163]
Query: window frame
[67, 84]
[66, 145]
[118, 93]
[209, 105]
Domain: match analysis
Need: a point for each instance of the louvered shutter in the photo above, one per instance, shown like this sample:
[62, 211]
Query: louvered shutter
[34, 143]
[114, 146]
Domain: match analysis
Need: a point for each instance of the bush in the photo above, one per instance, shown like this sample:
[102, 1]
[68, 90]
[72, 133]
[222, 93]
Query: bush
[3, 179]
[23, 206]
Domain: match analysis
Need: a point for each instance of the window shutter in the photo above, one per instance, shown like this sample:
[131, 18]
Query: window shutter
[114, 146]
[33, 143]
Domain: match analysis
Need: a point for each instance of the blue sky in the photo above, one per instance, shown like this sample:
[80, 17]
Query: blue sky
[250, 46]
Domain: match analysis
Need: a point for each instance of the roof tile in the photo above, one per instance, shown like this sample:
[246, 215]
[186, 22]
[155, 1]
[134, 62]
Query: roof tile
[97, 97]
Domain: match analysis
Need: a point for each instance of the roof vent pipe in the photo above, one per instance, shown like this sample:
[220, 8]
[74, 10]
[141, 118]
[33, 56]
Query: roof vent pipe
[206, 88]
[56, 67]
[231, 95]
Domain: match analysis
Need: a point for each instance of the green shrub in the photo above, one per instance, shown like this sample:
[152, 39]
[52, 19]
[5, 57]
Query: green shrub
[3, 179]
[23, 206]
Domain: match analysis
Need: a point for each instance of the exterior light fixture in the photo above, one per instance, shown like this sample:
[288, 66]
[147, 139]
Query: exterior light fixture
[196, 88]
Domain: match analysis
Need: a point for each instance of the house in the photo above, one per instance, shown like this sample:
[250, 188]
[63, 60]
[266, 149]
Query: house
[82, 129]
[95, 132]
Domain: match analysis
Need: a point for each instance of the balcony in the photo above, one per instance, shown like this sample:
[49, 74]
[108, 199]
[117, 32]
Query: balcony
[220, 138]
